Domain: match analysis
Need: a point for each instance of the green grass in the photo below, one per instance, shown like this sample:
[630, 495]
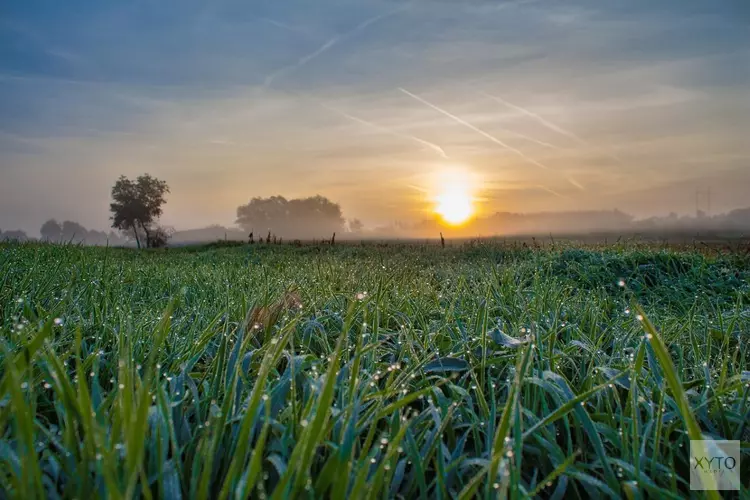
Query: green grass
[407, 371]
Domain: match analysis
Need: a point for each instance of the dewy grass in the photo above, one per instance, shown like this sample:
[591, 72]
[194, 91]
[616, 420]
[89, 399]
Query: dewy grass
[398, 371]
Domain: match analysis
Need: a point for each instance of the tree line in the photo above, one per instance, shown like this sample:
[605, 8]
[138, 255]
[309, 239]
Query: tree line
[137, 205]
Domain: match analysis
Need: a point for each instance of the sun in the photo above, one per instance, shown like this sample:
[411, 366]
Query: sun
[453, 200]
[454, 206]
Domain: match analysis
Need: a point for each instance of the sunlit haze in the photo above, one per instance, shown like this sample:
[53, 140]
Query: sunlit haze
[398, 111]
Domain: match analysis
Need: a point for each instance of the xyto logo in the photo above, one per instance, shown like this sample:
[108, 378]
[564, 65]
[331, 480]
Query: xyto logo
[714, 465]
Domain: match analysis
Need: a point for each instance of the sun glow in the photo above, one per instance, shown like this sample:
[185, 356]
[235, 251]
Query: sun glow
[454, 202]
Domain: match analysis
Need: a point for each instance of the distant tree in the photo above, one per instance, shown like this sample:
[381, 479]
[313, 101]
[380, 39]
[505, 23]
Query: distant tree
[95, 237]
[51, 230]
[355, 225]
[159, 236]
[137, 205]
[738, 219]
[73, 232]
[299, 218]
[16, 235]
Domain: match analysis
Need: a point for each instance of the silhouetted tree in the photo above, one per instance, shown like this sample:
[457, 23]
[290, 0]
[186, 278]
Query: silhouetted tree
[95, 237]
[51, 230]
[16, 235]
[355, 225]
[159, 236]
[73, 232]
[301, 218]
[137, 205]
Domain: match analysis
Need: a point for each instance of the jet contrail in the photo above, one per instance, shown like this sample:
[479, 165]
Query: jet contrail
[530, 139]
[330, 43]
[576, 183]
[490, 137]
[538, 118]
[545, 188]
[432, 146]
[476, 129]
[302, 61]
[281, 25]
[552, 126]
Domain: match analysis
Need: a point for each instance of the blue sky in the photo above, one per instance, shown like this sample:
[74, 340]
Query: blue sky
[548, 105]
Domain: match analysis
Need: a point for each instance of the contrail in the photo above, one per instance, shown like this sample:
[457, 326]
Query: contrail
[545, 188]
[432, 146]
[417, 188]
[281, 25]
[530, 139]
[304, 60]
[552, 126]
[330, 43]
[475, 129]
[490, 137]
[576, 183]
[538, 118]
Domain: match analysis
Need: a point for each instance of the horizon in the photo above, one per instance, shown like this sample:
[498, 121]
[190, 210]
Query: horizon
[397, 111]
[474, 227]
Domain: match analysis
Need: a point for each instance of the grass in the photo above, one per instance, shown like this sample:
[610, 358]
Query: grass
[399, 371]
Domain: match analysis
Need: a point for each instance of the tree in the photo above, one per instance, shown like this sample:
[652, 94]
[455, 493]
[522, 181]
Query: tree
[73, 232]
[16, 235]
[297, 218]
[51, 230]
[159, 236]
[355, 225]
[137, 205]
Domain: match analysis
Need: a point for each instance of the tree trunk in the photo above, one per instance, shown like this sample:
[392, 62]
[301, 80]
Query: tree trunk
[148, 235]
[137, 240]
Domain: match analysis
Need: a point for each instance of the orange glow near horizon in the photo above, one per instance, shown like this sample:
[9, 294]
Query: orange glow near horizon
[453, 199]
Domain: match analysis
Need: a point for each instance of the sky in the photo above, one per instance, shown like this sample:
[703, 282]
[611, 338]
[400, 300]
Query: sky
[540, 105]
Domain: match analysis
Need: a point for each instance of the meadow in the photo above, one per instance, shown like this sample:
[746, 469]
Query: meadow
[483, 370]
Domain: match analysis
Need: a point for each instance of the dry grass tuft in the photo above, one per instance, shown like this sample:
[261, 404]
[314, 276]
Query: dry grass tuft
[263, 317]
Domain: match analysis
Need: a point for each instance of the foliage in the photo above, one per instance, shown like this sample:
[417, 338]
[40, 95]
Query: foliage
[51, 231]
[136, 205]
[73, 232]
[398, 371]
[313, 217]
[14, 235]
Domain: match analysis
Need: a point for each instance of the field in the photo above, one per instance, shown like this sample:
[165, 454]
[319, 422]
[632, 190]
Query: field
[399, 371]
